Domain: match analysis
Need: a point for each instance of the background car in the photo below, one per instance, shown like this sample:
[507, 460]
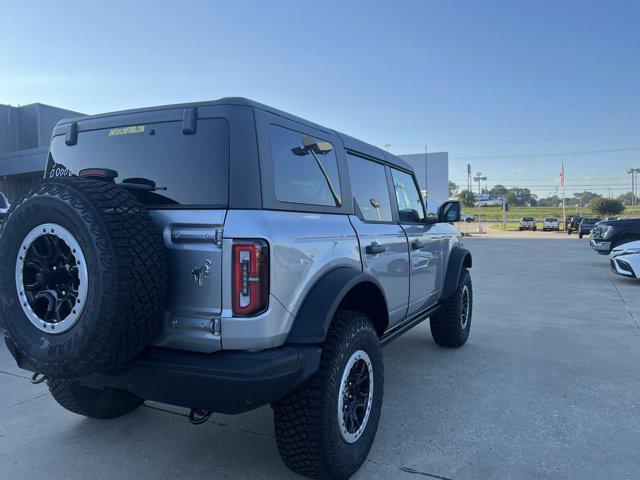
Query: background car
[574, 224]
[527, 223]
[4, 205]
[625, 259]
[610, 234]
[550, 223]
[467, 218]
[586, 225]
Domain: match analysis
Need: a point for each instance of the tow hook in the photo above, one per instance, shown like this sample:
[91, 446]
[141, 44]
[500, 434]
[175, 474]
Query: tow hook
[38, 378]
[198, 416]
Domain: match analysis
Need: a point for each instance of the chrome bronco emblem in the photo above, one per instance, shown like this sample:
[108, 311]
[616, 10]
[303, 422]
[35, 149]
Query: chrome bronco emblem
[200, 273]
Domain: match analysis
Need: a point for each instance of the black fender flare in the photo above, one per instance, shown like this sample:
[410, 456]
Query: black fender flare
[459, 258]
[314, 316]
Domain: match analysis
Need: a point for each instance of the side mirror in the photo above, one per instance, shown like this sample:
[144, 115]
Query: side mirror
[449, 212]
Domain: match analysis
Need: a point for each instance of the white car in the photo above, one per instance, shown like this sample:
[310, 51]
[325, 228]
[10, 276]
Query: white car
[550, 223]
[625, 259]
[527, 223]
[467, 218]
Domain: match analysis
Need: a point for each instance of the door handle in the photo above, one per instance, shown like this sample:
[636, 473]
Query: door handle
[417, 245]
[374, 248]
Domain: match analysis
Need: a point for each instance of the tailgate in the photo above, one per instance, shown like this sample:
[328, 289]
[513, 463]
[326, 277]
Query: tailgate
[193, 241]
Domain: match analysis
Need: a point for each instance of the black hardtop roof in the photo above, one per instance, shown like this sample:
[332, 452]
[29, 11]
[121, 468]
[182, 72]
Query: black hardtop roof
[350, 143]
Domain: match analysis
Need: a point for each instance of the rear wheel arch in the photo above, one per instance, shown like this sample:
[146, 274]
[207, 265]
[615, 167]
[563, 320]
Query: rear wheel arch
[341, 288]
[366, 297]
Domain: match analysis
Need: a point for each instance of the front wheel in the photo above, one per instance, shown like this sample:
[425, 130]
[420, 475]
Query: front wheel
[451, 324]
[325, 429]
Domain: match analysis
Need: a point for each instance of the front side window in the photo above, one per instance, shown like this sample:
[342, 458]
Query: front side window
[303, 175]
[410, 206]
[369, 189]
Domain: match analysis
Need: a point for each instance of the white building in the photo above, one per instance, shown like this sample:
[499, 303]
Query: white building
[432, 171]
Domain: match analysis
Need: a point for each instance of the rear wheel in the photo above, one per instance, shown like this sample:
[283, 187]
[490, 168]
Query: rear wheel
[325, 429]
[451, 324]
[90, 402]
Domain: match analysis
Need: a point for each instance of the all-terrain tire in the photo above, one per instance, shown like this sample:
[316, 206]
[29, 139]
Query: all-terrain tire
[126, 277]
[448, 326]
[90, 402]
[306, 421]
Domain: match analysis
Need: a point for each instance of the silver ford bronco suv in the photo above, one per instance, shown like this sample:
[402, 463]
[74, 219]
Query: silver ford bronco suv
[221, 256]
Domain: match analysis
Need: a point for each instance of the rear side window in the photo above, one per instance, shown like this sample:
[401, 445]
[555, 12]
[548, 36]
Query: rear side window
[188, 170]
[298, 177]
[370, 190]
[409, 204]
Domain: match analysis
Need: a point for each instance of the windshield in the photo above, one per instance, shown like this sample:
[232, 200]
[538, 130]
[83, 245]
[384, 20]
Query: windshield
[187, 170]
[528, 219]
[551, 219]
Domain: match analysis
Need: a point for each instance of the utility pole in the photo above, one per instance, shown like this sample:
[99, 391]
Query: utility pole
[633, 172]
[479, 178]
[564, 208]
[469, 176]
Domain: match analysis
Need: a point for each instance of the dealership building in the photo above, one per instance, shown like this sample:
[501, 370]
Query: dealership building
[432, 170]
[25, 133]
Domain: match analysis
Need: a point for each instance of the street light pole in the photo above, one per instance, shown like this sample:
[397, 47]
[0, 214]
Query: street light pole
[479, 178]
[633, 172]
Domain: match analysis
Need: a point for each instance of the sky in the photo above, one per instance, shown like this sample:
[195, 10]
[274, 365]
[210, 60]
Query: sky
[511, 87]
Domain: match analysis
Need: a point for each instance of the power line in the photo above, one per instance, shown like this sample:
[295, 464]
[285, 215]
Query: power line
[516, 140]
[537, 155]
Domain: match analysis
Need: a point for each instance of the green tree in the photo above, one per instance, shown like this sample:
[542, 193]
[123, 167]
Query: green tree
[498, 190]
[607, 206]
[626, 198]
[453, 189]
[467, 198]
[551, 201]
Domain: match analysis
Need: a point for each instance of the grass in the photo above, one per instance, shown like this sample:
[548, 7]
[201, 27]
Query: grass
[494, 214]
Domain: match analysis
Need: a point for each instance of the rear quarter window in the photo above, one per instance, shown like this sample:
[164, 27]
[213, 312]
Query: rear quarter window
[193, 170]
[297, 177]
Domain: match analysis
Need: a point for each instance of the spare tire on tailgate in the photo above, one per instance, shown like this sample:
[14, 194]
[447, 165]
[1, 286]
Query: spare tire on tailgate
[82, 277]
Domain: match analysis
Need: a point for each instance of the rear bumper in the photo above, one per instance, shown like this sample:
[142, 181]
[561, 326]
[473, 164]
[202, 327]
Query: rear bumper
[600, 246]
[227, 382]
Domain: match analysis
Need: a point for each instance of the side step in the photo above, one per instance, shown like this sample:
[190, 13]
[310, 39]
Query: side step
[407, 325]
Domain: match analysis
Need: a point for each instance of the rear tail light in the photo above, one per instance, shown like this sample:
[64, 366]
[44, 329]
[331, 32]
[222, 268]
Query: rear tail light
[250, 277]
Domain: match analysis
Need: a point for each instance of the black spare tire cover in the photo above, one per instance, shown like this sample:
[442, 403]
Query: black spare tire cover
[82, 277]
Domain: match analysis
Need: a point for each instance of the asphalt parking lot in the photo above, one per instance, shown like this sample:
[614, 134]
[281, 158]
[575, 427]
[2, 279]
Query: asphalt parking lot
[548, 386]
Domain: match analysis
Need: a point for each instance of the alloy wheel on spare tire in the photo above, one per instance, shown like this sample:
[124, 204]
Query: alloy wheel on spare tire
[82, 275]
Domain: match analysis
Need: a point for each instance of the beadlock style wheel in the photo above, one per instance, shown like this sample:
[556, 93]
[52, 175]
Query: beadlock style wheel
[82, 277]
[51, 278]
[464, 315]
[355, 395]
